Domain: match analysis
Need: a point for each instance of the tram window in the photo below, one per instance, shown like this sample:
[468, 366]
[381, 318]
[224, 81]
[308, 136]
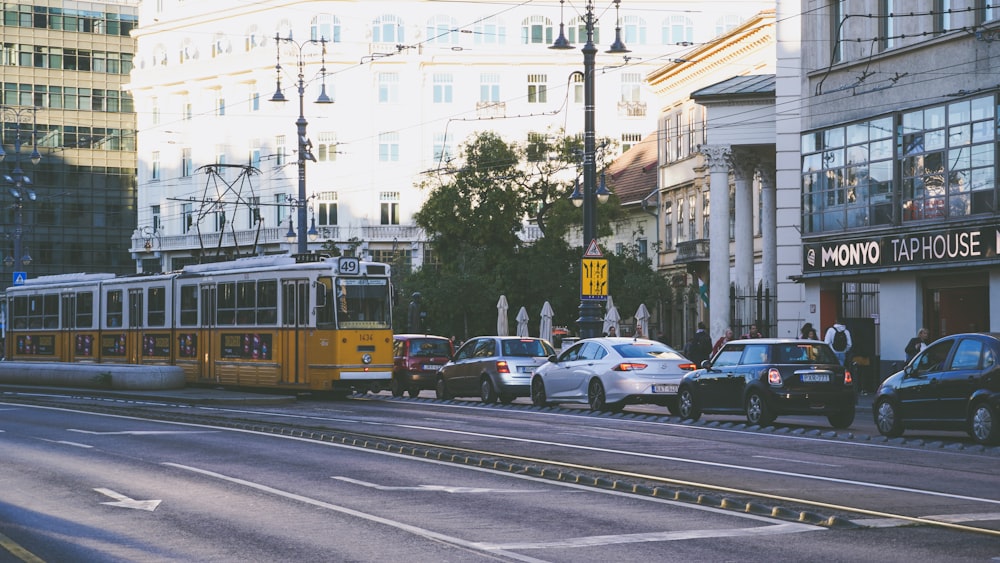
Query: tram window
[246, 306]
[226, 310]
[20, 312]
[84, 309]
[324, 302]
[362, 303]
[156, 303]
[267, 302]
[189, 305]
[50, 311]
[115, 304]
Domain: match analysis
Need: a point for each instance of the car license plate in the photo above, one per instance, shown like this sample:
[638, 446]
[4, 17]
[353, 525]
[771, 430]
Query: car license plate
[432, 367]
[815, 377]
[664, 388]
[525, 369]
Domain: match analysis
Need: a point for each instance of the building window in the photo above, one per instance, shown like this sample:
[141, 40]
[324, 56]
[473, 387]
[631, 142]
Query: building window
[442, 30]
[388, 147]
[254, 153]
[536, 30]
[629, 140]
[326, 150]
[389, 202]
[221, 45]
[280, 208]
[155, 165]
[220, 106]
[887, 24]
[576, 84]
[489, 31]
[442, 88]
[253, 98]
[220, 221]
[387, 29]
[692, 214]
[678, 30]
[942, 16]
[537, 93]
[706, 212]
[187, 110]
[187, 217]
[681, 236]
[442, 147]
[388, 88]
[325, 26]
[695, 128]
[727, 23]
[326, 209]
[279, 150]
[254, 39]
[577, 30]
[220, 158]
[987, 11]
[253, 211]
[837, 30]
[187, 163]
[489, 87]
[154, 213]
[633, 30]
[668, 224]
[631, 87]
[537, 147]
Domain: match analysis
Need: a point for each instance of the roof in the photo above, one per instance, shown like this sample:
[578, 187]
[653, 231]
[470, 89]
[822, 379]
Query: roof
[753, 85]
[632, 176]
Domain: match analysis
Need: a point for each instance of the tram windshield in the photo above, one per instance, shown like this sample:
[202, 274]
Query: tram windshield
[360, 303]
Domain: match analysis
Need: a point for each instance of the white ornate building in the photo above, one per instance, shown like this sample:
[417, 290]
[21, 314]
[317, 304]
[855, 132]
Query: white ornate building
[410, 81]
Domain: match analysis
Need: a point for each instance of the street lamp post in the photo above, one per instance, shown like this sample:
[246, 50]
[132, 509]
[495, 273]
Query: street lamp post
[18, 183]
[590, 321]
[305, 145]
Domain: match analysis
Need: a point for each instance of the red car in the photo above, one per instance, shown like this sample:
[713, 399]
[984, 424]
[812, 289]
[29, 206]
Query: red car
[416, 361]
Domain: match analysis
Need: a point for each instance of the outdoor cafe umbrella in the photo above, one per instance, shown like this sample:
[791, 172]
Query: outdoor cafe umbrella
[612, 318]
[545, 327]
[522, 322]
[642, 321]
[502, 329]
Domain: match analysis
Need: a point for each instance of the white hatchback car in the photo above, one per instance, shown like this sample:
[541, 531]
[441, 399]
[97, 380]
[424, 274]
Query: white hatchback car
[609, 373]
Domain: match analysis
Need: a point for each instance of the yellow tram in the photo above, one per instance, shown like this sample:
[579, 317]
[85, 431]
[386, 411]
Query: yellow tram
[303, 323]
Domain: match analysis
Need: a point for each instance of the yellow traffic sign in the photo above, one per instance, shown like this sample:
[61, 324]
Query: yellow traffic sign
[594, 278]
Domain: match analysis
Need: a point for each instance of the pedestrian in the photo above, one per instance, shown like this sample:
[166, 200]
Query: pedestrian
[917, 344]
[839, 338]
[726, 337]
[699, 347]
[807, 329]
[811, 335]
[611, 332]
[753, 332]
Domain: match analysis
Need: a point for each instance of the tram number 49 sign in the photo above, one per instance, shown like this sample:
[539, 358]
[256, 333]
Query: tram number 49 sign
[594, 278]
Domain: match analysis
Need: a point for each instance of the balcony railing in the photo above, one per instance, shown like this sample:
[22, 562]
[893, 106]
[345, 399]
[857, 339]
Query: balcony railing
[491, 109]
[632, 109]
[691, 251]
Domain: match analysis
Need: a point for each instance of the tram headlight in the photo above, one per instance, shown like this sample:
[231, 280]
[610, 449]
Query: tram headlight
[366, 358]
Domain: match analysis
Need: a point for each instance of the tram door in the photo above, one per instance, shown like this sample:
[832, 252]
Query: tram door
[67, 349]
[295, 322]
[134, 320]
[207, 341]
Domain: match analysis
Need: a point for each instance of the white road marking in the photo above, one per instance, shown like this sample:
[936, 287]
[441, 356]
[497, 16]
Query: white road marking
[416, 530]
[65, 443]
[123, 501]
[618, 539]
[140, 432]
[789, 460]
[949, 518]
[431, 488]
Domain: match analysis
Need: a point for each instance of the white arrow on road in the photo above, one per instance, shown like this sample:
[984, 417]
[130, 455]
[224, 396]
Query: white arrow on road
[125, 502]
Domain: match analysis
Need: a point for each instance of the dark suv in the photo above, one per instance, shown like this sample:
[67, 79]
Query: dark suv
[763, 378]
[953, 384]
[416, 361]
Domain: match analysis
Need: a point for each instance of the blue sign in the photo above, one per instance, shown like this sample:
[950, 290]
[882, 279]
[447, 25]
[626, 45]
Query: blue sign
[19, 277]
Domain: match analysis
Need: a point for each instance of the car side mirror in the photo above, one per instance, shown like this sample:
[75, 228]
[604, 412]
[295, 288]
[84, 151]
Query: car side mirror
[554, 359]
[706, 364]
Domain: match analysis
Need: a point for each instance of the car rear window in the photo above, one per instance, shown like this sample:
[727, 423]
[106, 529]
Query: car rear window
[429, 347]
[646, 350]
[526, 348]
[802, 353]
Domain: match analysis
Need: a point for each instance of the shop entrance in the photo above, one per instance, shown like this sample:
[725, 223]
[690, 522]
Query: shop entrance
[953, 305]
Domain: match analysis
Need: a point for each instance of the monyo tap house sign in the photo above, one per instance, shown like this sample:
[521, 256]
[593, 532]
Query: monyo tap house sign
[965, 247]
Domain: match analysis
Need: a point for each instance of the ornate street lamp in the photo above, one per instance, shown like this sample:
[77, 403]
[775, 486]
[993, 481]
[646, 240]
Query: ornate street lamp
[590, 312]
[305, 145]
[19, 183]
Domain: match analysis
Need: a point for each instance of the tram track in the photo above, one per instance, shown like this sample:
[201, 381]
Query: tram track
[789, 508]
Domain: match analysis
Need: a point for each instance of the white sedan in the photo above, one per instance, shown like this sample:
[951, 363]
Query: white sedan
[609, 373]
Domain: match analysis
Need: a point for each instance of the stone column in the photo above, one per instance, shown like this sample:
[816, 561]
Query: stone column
[744, 164]
[768, 225]
[718, 158]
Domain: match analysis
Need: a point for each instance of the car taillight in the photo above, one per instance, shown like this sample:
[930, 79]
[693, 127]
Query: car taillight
[848, 380]
[628, 366]
[774, 376]
[502, 367]
[687, 367]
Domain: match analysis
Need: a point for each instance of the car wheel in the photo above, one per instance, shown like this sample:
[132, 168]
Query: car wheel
[841, 419]
[538, 396]
[487, 392]
[598, 399]
[757, 410]
[396, 386]
[887, 420]
[414, 392]
[686, 407]
[441, 390]
[983, 424]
